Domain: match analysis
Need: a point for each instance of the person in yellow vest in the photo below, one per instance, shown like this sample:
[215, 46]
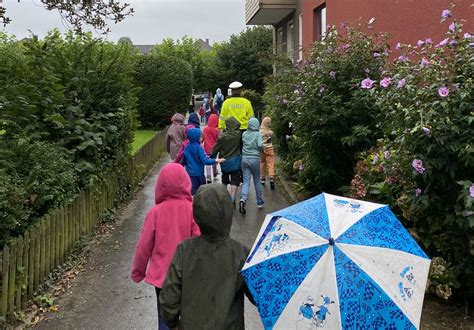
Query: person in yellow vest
[236, 106]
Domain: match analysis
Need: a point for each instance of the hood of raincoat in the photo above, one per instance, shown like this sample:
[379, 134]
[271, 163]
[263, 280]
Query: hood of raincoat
[253, 124]
[194, 120]
[219, 92]
[212, 209]
[213, 121]
[266, 123]
[173, 183]
[177, 119]
[194, 134]
[232, 124]
[186, 130]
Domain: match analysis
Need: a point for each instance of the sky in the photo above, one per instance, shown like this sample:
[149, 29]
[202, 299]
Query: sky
[153, 20]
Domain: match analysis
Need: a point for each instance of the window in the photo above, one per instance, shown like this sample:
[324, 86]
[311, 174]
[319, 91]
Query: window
[290, 39]
[319, 23]
[280, 45]
[300, 37]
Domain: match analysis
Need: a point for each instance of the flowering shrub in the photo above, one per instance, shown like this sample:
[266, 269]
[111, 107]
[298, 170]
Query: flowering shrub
[321, 115]
[427, 122]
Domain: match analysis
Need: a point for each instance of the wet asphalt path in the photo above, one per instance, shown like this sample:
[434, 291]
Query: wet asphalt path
[104, 296]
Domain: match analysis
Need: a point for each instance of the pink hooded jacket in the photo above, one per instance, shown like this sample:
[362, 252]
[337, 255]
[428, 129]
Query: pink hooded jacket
[168, 223]
[180, 154]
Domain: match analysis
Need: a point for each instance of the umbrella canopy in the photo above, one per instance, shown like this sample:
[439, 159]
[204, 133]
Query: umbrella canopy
[336, 263]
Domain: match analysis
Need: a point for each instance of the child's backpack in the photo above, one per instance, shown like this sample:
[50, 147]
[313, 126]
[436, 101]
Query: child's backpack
[219, 101]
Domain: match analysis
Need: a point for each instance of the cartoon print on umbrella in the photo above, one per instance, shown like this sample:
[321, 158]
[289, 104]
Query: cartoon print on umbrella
[317, 317]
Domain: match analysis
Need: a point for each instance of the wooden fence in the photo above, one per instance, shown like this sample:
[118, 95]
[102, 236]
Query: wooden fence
[26, 262]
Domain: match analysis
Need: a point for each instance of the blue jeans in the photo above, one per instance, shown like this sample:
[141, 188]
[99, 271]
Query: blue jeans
[162, 325]
[251, 167]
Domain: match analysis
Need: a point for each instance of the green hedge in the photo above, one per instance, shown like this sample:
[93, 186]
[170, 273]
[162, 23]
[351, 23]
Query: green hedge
[166, 87]
[67, 116]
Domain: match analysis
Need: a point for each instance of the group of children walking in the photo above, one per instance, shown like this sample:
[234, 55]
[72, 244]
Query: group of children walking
[184, 249]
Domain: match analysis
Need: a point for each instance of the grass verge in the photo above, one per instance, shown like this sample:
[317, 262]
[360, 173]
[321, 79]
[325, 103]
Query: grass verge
[140, 139]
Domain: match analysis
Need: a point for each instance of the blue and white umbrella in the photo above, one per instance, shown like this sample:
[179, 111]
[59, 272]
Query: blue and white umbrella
[336, 263]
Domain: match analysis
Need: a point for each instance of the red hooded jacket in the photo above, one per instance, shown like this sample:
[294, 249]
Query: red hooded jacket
[211, 134]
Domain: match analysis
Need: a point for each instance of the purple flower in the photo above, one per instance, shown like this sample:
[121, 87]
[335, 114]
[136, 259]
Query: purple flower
[467, 35]
[471, 44]
[426, 131]
[345, 47]
[442, 43]
[428, 41]
[424, 62]
[377, 55]
[322, 89]
[301, 168]
[332, 74]
[417, 165]
[385, 82]
[418, 192]
[443, 91]
[401, 83]
[366, 70]
[375, 160]
[471, 191]
[468, 213]
[453, 43]
[386, 154]
[403, 58]
[398, 45]
[452, 27]
[285, 101]
[367, 83]
[420, 43]
[445, 14]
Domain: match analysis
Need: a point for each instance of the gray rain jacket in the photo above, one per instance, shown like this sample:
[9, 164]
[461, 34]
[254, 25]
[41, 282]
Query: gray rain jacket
[203, 287]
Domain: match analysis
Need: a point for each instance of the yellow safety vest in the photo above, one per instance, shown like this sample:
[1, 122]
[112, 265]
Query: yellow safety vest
[238, 107]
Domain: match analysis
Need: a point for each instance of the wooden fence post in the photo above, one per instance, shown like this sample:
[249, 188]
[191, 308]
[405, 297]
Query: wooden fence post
[5, 280]
[19, 269]
[26, 268]
[31, 263]
[12, 278]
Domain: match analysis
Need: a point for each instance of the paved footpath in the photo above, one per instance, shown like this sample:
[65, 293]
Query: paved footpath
[104, 296]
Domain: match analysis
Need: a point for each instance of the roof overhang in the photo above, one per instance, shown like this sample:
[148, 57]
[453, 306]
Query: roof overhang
[266, 12]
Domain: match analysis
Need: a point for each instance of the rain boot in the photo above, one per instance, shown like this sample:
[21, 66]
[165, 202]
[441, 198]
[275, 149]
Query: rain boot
[272, 183]
[262, 180]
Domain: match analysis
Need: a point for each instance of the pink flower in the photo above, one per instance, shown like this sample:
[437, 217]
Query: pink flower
[403, 58]
[452, 27]
[398, 45]
[420, 43]
[367, 83]
[332, 74]
[445, 14]
[386, 154]
[345, 47]
[428, 41]
[442, 43]
[471, 191]
[417, 165]
[418, 192]
[377, 55]
[385, 82]
[401, 83]
[426, 131]
[467, 35]
[443, 91]
[424, 62]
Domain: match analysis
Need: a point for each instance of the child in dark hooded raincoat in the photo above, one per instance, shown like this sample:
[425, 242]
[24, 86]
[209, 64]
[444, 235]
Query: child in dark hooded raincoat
[203, 288]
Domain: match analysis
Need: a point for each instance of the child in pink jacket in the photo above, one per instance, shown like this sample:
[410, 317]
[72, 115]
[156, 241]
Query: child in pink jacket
[168, 223]
[179, 156]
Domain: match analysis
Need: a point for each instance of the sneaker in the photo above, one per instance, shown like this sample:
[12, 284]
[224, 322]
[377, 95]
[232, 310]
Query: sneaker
[260, 205]
[262, 181]
[233, 204]
[242, 207]
[272, 183]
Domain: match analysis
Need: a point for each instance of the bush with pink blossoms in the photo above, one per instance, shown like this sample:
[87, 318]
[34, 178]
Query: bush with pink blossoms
[428, 127]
